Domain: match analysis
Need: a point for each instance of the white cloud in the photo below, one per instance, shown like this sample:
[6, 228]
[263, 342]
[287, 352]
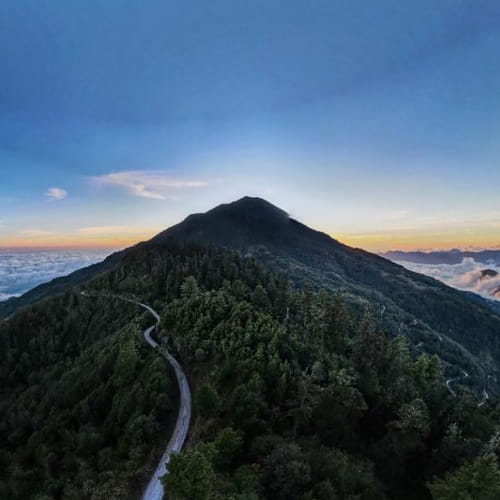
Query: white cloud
[56, 193]
[21, 270]
[465, 276]
[147, 184]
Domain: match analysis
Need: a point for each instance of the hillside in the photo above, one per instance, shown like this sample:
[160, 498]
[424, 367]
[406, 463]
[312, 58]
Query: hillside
[296, 395]
[84, 401]
[406, 302]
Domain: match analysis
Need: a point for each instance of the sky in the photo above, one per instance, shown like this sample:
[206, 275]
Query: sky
[376, 122]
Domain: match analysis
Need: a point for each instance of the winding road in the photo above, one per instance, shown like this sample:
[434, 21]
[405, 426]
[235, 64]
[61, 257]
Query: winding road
[450, 380]
[485, 395]
[154, 490]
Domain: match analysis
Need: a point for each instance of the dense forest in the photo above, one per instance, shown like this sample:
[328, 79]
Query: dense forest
[83, 401]
[297, 395]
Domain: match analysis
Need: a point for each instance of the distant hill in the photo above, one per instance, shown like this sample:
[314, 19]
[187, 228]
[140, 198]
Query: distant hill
[444, 257]
[488, 273]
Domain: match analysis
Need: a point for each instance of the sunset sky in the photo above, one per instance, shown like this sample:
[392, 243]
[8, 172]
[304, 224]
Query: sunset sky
[376, 122]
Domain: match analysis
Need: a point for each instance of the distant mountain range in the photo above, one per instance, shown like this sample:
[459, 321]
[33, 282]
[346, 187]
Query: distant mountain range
[449, 322]
[444, 257]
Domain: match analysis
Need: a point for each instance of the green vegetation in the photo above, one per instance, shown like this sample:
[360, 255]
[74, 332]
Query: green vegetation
[192, 476]
[461, 328]
[298, 397]
[82, 402]
[478, 480]
[297, 394]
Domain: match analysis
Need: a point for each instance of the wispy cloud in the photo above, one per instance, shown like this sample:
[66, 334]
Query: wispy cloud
[107, 230]
[56, 193]
[36, 233]
[154, 185]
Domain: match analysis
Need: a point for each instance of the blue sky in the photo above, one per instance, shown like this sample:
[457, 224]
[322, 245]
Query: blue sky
[377, 122]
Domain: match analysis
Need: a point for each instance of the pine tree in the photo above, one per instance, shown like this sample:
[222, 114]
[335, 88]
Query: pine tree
[478, 480]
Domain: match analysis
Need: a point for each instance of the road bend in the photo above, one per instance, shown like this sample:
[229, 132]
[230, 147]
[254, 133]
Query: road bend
[154, 489]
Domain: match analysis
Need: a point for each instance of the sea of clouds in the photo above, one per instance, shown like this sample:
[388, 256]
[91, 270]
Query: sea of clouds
[21, 270]
[464, 276]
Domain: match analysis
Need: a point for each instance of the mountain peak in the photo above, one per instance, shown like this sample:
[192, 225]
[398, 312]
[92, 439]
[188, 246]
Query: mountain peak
[251, 201]
[253, 205]
[242, 224]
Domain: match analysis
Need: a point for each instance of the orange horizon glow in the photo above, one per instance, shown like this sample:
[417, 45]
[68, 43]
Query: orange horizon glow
[430, 242]
[373, 242]
[76, 241]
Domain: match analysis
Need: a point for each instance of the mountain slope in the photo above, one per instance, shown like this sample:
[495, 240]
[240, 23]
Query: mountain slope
[443, 319]
[425, 309]
[294, 397]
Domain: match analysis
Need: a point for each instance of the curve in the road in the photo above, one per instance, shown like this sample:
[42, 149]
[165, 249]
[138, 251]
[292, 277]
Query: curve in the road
[486, 396]
[154, 490]
[450, 380]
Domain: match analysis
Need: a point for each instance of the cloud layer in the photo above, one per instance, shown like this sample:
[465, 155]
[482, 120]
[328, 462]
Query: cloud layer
[21, 270]
[468, 275]
[147, 184]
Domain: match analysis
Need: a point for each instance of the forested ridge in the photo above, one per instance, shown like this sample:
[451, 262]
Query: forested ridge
[296, 394]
